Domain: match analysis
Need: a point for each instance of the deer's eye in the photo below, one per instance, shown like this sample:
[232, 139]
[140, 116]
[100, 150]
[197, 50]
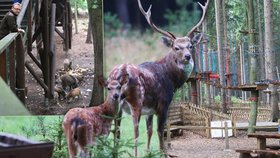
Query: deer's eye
[119, 87]
[190, 46]
[177, 48]
[109, 88]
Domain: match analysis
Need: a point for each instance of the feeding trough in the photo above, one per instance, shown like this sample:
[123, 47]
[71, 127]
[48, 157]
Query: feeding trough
[13, 146]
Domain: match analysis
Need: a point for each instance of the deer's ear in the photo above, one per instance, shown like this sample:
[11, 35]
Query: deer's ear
[167, 41]
[197, 38]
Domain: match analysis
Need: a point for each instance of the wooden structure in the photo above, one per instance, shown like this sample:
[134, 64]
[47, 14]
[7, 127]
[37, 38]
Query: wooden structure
[40, 19]
[262, 150]
[20, 147]
[188, 114]
[198, 119]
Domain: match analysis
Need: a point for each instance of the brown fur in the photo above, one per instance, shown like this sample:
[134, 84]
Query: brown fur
[82, 125]
[60, 92]
[68, 81]
[76, 92]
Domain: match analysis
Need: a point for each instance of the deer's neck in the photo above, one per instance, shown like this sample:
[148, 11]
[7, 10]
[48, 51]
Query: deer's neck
[177, 72]
[109, 107]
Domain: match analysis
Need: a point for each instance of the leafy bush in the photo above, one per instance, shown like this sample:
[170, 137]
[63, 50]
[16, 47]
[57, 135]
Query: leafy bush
[48, 132]
[106, 147]
[111, 24]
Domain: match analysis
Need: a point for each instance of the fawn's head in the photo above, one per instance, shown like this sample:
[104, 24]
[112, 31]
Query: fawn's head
[114, 90]
[181, 46]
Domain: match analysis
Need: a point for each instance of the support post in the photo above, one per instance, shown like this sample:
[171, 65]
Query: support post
[20, 70]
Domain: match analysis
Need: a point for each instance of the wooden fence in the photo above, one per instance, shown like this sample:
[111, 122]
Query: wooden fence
[242, 113]
[188, 114]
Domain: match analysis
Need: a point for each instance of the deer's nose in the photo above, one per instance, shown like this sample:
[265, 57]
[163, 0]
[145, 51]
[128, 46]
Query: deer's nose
[115, 96]
[188, 57]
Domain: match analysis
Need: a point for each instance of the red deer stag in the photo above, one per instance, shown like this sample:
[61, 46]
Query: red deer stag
[82, 125]
[148, 88]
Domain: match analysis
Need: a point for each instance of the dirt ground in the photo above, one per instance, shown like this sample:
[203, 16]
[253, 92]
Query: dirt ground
[189, 145]
[81, 55]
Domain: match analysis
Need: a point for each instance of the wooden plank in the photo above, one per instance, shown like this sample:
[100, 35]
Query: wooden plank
[258, 151]
[6, 41]
[261, 143]
[264, 135]
[3, 66]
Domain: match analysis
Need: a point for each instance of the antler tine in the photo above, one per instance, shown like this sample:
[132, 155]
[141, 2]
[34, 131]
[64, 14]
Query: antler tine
[204, 9]
[150, 22]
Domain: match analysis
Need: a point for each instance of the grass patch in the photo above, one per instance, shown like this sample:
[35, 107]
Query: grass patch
[48, 128]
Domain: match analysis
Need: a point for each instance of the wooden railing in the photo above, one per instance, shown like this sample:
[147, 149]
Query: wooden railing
[188, 114]
[242, 113]
[12, 63]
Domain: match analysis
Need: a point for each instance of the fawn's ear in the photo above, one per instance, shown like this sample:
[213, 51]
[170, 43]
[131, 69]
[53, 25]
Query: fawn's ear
[167, 41]
[197, 38]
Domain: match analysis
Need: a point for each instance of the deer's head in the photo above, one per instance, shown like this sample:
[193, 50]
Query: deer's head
[181, 46]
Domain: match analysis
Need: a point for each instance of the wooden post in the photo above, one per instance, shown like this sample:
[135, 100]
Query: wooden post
[234, 129]
[52, 50]
[20, 69]
[3, 65]
[208, 130]
[12, 66]
[226, 135]
[168, 133]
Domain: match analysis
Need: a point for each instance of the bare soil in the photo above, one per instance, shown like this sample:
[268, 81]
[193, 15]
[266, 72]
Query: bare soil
[189, 145]
[81, 55]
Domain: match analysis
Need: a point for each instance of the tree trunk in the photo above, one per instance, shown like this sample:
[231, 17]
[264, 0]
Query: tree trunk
[227, 51]
[220, 37]
[261, 50]
[89, 30]
[253, 66]
[206, 65]
[270, 62]
[96, 19]
[76, 17]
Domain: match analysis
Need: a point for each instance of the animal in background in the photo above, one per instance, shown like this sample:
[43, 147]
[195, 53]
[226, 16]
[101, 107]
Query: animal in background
[76, 92]
[68, 82]
[148, 88]
[67, 65]
[61, 94]
[81, 126]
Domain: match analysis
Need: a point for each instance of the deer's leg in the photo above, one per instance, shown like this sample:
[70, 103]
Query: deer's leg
[162, 116]
[72, 148]
[149, 124]
[136, 112]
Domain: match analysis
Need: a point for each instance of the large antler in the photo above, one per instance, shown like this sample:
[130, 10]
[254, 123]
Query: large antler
[204, 9]
[150, 22]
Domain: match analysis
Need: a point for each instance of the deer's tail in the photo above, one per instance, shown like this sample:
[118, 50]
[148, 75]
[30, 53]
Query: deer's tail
[81, 131]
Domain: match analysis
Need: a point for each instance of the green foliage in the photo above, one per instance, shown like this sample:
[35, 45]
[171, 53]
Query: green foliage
[112, 25]
[48, 132]
[182, 20]
[80, 3]
[29, 129]
[236, 18]
[105, 147]
[55, 134]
